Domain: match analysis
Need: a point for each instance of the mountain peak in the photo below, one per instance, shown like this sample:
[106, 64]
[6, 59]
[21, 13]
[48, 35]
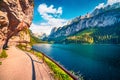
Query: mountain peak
[104, 8]
[103, 17]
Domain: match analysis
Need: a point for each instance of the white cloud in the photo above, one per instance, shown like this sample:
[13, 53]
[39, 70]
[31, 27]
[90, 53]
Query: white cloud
[49, 12]
[40, 29]
[44, 9]
[56, 22]
[51, 15]
[59, 10]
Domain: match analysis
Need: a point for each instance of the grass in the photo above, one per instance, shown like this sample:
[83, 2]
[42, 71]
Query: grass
[59, 74]
[86, 31]
[35, 40]
[3, 54]
[21, 46]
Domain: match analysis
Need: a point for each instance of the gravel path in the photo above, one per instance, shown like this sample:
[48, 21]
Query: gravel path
[20, 65]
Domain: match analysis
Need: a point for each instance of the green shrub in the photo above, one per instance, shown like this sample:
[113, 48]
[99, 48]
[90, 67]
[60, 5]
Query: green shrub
[3, 54]
[59, 74]
[21, 46]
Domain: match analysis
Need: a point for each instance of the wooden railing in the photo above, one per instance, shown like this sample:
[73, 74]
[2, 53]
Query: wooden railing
[66, 71]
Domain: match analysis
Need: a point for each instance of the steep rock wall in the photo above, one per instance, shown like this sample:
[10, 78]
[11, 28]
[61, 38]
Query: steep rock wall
[15, 15]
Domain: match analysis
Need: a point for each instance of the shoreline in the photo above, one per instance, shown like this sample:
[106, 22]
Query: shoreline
[57, 69]
[60, 66]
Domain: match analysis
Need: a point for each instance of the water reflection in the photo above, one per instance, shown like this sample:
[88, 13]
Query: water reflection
[96, 62]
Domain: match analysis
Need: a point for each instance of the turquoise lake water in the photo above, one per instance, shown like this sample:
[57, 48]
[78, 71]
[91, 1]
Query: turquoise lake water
[93, 62]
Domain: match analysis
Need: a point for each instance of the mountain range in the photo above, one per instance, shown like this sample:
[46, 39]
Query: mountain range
[100, 26]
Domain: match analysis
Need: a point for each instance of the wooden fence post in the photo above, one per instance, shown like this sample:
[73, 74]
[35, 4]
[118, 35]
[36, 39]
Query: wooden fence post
[26, 46]
[33, 51]
[43, 59]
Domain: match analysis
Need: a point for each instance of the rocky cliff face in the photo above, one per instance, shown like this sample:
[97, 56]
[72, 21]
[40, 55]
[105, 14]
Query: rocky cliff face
[15, 15]
[98, 18]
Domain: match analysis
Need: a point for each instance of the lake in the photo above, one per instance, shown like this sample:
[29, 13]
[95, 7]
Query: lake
[93, 62]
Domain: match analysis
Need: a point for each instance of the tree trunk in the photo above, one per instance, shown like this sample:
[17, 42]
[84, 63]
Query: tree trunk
[6, 43]
[9, 35]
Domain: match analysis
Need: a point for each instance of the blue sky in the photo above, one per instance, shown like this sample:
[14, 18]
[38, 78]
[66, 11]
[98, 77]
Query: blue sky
[71, 8]
[56, 13]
